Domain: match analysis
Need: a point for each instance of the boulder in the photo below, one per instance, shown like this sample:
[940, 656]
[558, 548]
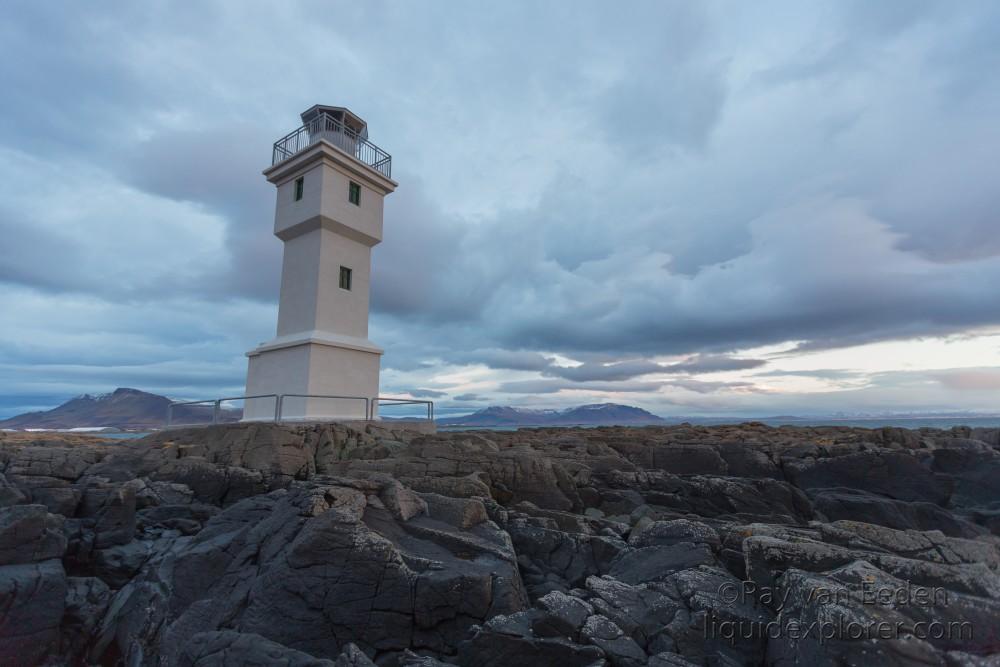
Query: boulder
[570, 557]
[87, 599]
[494, 645]
[29, 534]
[335, 558]
[563, 615]
[227, 648]
[32, 601]
[620, 649]
[859, 505]
[10, 494]
[655, 563]
[668, 533]
[897, 475]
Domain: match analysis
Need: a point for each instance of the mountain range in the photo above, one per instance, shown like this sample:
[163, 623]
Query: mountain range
[597, 414]
[124, 408]
[135, 410]
[132, 409]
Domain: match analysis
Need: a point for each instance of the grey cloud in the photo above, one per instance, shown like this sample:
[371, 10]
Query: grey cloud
[586, 372]
[704, 387]
[683, 64]
[551, 386]
[427, 393]
[218, 168]
[821, 373]
[554, 386]
[626, 370]
[809, 293]
[532, 387]
[469, 397]
[29, 265]
[518, 360]
[713, 363]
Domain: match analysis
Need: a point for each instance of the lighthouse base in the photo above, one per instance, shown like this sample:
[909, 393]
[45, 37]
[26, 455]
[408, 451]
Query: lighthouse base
[309, 371]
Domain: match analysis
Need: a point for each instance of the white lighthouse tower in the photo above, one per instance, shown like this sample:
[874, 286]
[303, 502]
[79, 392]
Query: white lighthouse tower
[330, 184]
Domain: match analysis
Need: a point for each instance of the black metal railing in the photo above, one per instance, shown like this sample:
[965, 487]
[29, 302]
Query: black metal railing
[324, 126]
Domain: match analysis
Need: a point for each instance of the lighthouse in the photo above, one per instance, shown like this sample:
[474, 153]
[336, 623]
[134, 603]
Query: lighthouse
[330, 182]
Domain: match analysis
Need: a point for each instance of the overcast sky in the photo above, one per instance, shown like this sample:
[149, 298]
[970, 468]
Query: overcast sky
[695, 207]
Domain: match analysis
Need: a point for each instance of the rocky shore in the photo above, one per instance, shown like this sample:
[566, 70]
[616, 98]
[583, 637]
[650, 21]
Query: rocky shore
[324, 545]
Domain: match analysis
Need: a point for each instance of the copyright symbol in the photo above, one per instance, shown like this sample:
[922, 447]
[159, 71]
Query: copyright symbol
[729, 592]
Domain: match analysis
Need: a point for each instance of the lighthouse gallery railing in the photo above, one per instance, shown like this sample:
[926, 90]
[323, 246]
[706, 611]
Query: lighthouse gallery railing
[326, 127]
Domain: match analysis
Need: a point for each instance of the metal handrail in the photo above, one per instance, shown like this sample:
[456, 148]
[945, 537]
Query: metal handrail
[402, 401]
[217, 406]
[281, 402]
[337, 133]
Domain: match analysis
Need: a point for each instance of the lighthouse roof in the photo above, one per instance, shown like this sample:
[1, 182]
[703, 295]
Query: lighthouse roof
[342, 114]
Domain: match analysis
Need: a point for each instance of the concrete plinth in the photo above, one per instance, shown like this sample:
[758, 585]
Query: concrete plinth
[314, 367]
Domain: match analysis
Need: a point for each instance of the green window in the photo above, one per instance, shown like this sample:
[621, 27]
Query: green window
[300, 184]
[355, 194]
[345, 278]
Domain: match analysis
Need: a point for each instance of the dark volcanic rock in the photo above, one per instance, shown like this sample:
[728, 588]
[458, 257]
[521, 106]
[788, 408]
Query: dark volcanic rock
[509, 640]
[10, 494]
[87, 599]
[319, 545]
[973, 473]
[657, 562]
[666, 533]
[235, 649]
[860, 505]
[355, 560]
[32, 600]
[897, 475]
[28, 534]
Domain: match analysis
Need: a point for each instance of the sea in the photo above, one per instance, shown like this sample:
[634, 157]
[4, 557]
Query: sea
[873, 422]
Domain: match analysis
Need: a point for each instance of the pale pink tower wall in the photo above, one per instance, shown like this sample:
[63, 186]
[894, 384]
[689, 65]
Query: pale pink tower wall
[321, 345]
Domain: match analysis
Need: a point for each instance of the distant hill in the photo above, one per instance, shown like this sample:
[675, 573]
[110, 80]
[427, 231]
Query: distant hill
[606, 414]
[132, 409]
[123, 408]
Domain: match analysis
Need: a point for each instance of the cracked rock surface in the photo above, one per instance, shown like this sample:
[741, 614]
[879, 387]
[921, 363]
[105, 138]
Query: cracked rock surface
[325, 545]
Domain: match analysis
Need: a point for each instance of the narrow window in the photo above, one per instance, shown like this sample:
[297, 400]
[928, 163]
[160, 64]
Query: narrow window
[345, 278]
[300, 183]
[355, 194]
